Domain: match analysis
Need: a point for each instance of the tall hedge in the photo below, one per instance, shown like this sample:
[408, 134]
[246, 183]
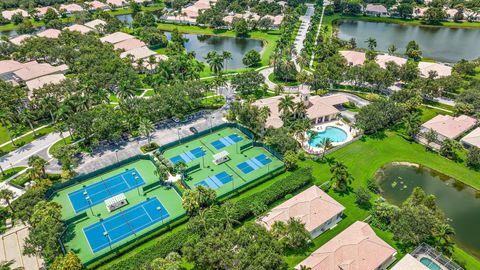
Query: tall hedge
[290, 184]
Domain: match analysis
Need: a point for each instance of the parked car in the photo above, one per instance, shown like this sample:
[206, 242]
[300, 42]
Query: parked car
[193, 130]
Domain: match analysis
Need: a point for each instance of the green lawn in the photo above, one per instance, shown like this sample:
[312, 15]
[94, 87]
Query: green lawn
[209, 169]
[75, 239]
[60, 143]
[26, 139]
[10, 172]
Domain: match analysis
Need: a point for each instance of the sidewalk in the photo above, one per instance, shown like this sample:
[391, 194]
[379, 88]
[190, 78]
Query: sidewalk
[23, 135]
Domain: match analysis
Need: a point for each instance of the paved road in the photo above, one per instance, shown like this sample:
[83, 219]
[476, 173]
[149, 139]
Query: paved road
[20, 156]
[302, 32]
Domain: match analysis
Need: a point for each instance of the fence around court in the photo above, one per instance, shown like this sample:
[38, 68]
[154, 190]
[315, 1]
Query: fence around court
[79, 179]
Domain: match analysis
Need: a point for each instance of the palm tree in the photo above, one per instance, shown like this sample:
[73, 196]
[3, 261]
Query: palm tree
[371, 43]
[27, 116]
[325, 144]
[146, 128]
[340, 176]
[286, 104]
[215, 61]
[304, 267]
[412, 124]
[125, 90]
[7, 195]
[151, 62]
[226, 56]
[300, 110]
[430, 136]
[37, 166]
[392, 49]
[443, 234]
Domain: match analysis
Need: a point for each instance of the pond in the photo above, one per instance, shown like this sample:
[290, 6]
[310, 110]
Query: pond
[459, 202]
[440, 43]
[238, 47]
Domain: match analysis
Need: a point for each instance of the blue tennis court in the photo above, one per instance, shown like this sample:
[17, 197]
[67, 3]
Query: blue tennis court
[254, 163]
[188, 156]
[226, 141]
[104, 189]
[120, 226]
[216, 181]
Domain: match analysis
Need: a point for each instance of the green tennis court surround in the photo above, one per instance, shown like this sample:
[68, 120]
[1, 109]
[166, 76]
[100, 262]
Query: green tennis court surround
[226, 176]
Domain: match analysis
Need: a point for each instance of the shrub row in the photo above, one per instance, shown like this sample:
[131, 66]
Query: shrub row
[175, 241]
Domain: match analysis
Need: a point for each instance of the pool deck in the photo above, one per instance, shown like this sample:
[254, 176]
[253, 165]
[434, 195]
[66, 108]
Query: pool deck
[349, 130]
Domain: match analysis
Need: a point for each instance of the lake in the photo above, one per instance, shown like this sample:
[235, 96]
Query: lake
[238, 47]
[440, 43]
[459, 202]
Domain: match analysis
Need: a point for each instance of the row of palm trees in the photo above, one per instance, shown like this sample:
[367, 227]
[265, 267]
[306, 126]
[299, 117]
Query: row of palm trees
[218, 61]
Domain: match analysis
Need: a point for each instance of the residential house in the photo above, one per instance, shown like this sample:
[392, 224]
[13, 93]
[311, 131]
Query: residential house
[79, 28]
[117, 3]
[441, 70]
[95, 5]
[472, 138]
[354, 58]
[383, 59]
[8, 14]
[319, 109]
[312, 207]
[129, 44]
[41, 11]
[355, 248]
[446, 127]
[95, 24]
[44, 80]
[7, 67]
[376, 10]
[50, 33]
[116, 37]
[33, 70]
[18, 40]
[71, 8]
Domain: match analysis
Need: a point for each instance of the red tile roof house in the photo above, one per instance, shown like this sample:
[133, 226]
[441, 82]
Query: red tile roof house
[319, 109]
[7, 67]
[71, 8]
[95, 24]
[446, 127]
[41, 11]
[79, 28]
[117, 3]
[472, 138]
[313, 207]
[8, 14]
[49, 33]
[116, 37]
[355, 248]
[20, 39]
[94, 5]
[376, 10]
[33, 70]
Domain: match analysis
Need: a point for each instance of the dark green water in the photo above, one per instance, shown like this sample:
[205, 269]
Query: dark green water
[460, 203]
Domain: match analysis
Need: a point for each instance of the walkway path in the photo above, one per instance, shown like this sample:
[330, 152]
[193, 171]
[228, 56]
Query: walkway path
[23, 135]
[302, 32]
[316, 36]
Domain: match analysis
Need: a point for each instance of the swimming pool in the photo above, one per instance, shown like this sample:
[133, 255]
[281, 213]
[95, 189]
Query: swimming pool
[430, 264]
[335, 134]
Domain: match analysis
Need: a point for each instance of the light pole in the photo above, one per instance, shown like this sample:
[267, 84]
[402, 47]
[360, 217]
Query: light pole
[116, 154]
[159, 209]
[178, 133]
[136, 184]
[211, 122]
[105, 233]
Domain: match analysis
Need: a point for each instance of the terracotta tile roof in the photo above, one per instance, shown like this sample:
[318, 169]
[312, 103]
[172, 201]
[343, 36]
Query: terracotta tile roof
[93, 24]
[79, 28]
[382, 60]
[20, 39]
[71, 7]
[313, 207]
[116, 37]
[116, 3]
[450, 126]
[8, 14]
[138, 53]
[441, 69]
[98, 5]
[7, 66]
[44, 80]
[408, 262]
[34, 70]
[473, 138]
[41, 11]
[353, 57]
[355, 248]
[50, 33]
[376, 8]
[129, 44]
[318, 107]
